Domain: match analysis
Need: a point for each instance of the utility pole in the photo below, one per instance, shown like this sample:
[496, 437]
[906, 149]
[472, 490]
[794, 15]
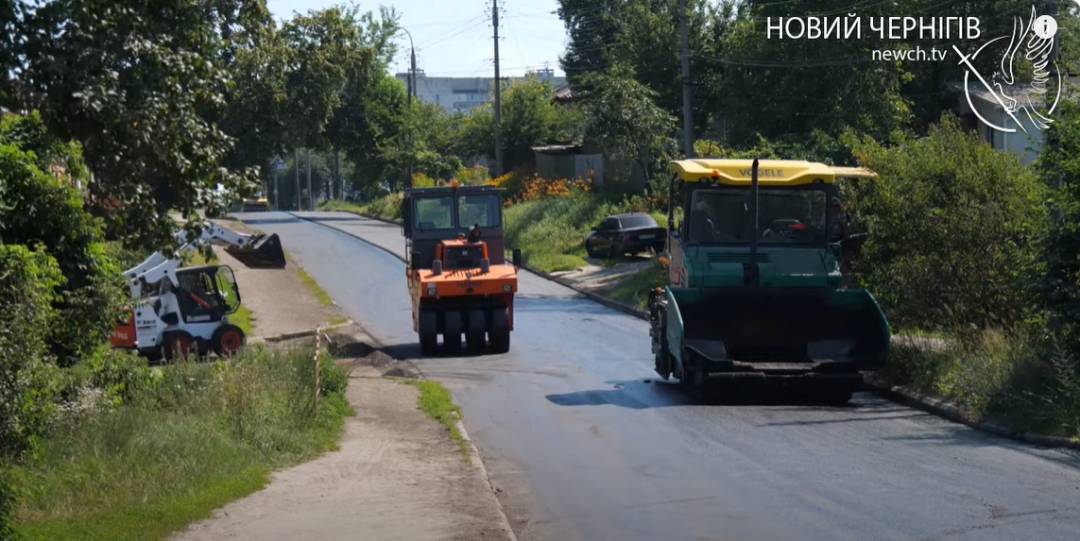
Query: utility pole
[310, 196]
[498, 92]
[296, 168]
[410, 84]
[688, 114]
[337, 175]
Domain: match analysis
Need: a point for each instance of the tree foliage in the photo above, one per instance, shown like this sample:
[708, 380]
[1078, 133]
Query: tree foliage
[39, 209]
[530, 117]
[624, 120]
[954, 229]
[28, 282]
[1059, 166]
[140, 86]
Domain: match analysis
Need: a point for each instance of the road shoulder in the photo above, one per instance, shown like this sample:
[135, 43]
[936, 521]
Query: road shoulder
[396, 475]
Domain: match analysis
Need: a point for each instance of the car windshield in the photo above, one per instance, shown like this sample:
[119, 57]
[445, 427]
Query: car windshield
[637, 220]
[786, 216]
[433, 213]
[482, 210]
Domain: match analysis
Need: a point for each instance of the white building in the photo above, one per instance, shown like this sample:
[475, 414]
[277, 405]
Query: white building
[1025, 139]
[463, 94]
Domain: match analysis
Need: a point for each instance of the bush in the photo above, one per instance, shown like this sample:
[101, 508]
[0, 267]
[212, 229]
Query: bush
[188, 439]
[118, 374]
[1017, 378]
[1059, 166]
[28, 281]
[43, 209]
[7, 507]
[953, 230]
[551, 230]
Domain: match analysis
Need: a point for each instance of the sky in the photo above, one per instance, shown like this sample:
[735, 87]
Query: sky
[453, 37]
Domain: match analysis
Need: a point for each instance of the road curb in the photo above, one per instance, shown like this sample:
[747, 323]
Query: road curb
[946, 409]
[353, 235]
[474, 453]
[301, 334]
[610, 303]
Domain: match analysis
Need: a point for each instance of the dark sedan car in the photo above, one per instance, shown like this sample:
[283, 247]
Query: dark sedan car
[625, 234]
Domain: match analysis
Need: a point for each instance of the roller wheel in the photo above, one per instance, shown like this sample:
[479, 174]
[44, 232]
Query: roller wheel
[429, 331]
[227, 340]
[474, 333]
[500, 331]
[691, 379]
[452, 332]
[177, 345]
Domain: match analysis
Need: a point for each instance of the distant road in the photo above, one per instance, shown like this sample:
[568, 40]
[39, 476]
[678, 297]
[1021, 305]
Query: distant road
[586, 443]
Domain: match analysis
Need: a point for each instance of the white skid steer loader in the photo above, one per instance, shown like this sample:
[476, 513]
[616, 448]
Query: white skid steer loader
[179, 311]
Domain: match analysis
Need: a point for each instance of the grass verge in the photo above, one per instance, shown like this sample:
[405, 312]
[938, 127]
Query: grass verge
[634, 289]
[387, 207]
[436, 401]
[1014, 379]
[313, 286]
[186, 439]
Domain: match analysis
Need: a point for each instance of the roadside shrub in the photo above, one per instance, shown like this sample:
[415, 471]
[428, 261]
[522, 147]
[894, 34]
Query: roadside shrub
[118, 374]
[1028, 382]
[387, 207]
[1059, 167]
[28, 378]
[7, 507]
[953, 228]
[473, 176]
[550, 231]
[43, 209]
[189, 438]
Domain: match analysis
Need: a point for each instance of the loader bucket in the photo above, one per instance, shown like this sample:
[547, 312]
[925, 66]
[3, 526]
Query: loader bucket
[784, 325]
[264, 252]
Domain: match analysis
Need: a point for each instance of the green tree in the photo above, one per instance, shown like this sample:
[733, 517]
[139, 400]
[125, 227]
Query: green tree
[530, 117]
[954, 229]
[39, 209]
[140, 85]
[1059, 166]
[28, 283]
[640, 36]
[626, 123]
[8, 58]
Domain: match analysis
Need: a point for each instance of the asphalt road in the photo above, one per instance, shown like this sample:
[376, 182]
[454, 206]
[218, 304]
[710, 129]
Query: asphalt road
[586, 443]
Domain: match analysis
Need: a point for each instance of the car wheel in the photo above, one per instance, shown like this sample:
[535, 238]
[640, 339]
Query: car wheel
[589, 249]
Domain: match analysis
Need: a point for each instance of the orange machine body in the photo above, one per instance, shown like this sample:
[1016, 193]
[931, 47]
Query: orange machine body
[497, 285]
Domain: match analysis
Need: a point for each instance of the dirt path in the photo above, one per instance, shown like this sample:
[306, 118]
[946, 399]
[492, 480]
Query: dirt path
[396, 476]
[279, 301]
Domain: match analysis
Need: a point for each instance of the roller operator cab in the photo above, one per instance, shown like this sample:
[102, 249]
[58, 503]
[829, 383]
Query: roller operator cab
[755, 285]
[459, 281]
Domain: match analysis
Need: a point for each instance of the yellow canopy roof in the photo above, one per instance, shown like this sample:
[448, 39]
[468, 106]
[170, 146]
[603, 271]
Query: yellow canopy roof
[770, 172]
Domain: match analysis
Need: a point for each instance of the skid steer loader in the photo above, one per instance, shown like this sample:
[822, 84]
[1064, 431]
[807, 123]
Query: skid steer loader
[179, 311]
[755, 289]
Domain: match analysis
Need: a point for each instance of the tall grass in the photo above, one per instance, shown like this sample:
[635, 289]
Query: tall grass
[551, 231]
[387, 207]
[187, 439]
[1023, 381]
